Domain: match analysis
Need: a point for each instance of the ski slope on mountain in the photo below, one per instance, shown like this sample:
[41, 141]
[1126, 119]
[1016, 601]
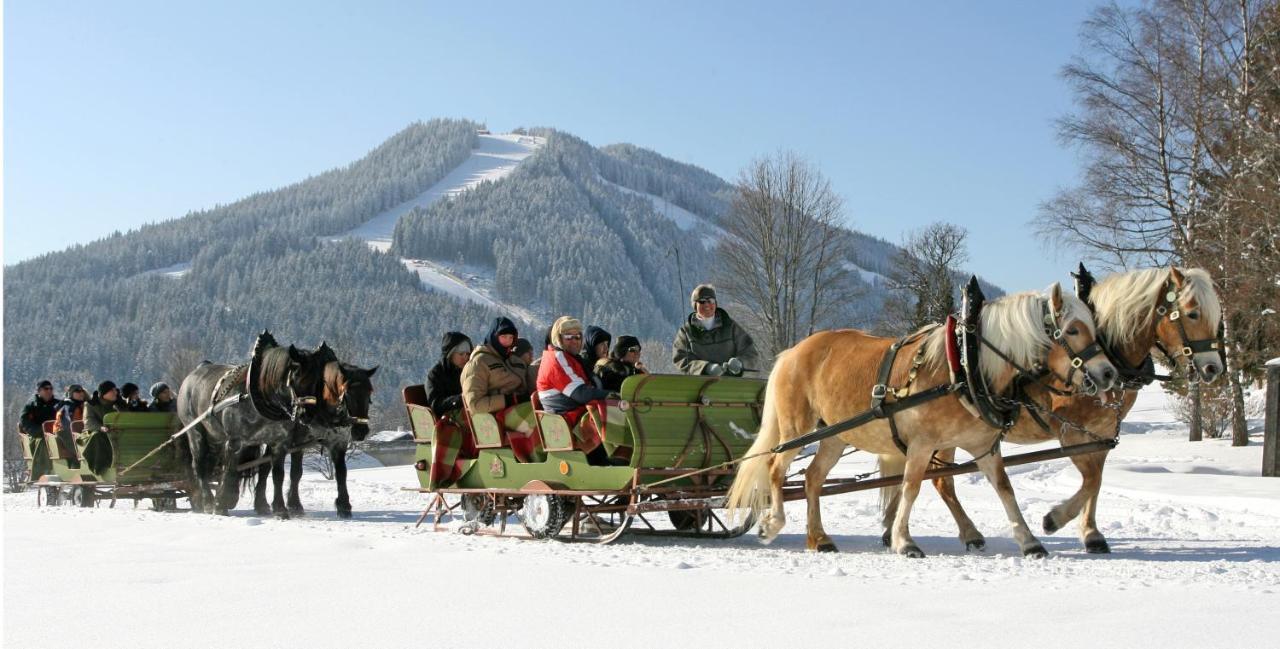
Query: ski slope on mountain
[466, 283]
[497, 156]
[1193, 527]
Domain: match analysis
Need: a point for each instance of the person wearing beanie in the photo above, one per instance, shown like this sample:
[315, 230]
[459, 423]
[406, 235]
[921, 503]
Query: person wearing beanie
[623, 361]
[70, 410]
[444, 381]
[710, 342]
[565, 387]
[162, 399]
[129, 400]
[100, 405]
[595, 348]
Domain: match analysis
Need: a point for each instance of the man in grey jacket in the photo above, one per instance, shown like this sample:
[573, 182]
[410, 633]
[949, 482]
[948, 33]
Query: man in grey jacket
[710, 342]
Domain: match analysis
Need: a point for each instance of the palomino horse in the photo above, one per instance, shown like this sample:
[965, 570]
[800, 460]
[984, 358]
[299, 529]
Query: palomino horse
[829, 377]
[1174, 309]
[343, 416]
[283, 380]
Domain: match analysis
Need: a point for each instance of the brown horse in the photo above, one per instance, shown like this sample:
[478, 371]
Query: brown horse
[829, 377]
[1175, 309]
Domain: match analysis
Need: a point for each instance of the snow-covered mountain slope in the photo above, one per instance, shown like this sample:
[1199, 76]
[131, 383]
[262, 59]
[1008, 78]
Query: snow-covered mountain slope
[1193, 527]
[497, 156]
[472, 284]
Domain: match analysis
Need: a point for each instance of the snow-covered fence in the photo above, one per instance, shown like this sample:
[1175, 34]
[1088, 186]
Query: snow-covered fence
[1271, 439]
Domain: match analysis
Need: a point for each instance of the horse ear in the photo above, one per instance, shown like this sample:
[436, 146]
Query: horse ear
[372, 370]
[1176, 276]
[1055, 297]
[296, 355]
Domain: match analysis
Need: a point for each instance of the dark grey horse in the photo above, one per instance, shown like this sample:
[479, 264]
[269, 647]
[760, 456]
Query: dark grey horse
[341, 415]
[276, 389]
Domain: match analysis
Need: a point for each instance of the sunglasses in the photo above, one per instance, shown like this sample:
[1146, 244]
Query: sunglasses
[631, 349]
[707, 300]
[571, 336]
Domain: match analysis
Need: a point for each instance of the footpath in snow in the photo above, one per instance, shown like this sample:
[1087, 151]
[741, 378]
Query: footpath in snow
[1194, 531]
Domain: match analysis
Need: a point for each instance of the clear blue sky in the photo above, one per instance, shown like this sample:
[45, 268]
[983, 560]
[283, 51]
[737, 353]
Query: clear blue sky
[122, 113]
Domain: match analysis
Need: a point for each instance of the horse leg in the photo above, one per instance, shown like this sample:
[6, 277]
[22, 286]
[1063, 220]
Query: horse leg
[260, 506]
[774, 519]
[277, 483]
[295, 477]
[1083, 503]
[992, 466]
[338, 453]
[229, 487]
[912, 475]
[200, 496]
[814, 475]
[946, 488]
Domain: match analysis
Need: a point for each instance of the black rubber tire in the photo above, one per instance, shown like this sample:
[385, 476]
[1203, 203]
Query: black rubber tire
[544, 515]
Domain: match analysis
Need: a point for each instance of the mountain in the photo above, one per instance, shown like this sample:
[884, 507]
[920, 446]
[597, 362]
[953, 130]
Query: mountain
[443, 226]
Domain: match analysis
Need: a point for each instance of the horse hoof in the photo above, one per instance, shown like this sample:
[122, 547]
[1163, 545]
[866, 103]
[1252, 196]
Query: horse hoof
[912, 552]
[344, 513]
[1036, 551]
[282, 514]
[978, 545]
[886, 539]
[827, 547]
[262, 510]
[1097, 546]
[1049, 525]
[297, 511]
[220, 512]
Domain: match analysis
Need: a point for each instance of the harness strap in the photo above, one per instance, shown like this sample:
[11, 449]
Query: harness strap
[870, 414]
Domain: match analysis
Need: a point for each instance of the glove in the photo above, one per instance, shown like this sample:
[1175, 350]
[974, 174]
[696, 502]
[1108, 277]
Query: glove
[733, 367]
[452, 403]
[714, 369]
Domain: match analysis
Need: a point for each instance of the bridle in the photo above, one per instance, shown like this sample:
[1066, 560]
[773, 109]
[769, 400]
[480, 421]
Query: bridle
[1171, 310]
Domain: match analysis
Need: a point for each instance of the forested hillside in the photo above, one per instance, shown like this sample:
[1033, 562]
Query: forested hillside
[616, 235]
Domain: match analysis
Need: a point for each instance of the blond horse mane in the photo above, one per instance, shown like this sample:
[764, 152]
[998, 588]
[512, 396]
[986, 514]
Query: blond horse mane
[1126, 302]
[1014, 324]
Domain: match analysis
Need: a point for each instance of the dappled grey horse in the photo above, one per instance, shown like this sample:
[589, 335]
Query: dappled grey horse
[274, 389]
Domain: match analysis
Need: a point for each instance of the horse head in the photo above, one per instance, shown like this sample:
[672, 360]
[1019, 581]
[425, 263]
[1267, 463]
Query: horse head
[1189, 326]
[1075, 357]
[347, 394]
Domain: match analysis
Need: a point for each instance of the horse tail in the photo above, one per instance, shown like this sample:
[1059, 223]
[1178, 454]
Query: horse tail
[248, 477]
[751, 489]
[890, 465]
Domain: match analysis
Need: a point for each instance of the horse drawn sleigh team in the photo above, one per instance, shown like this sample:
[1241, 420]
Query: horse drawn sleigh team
[707, 453]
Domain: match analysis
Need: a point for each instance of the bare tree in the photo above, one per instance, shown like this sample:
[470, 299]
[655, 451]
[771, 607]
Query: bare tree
[784, 259]
[923, 277]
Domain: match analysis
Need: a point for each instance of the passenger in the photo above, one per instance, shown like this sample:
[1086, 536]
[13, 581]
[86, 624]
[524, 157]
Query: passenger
[162, 399]
[103, 403]
[524, 351]
[537, 361]
[623, 361]
[42, 407]
[710, 342]
[444, 381]
[70, 410]
[129, 401]
[564, 387]
[493, 380]
[595, 348]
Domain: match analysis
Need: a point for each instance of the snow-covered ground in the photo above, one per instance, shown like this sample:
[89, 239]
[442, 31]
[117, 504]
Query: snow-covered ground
[1195, 563]
[175, 271]
[497, 156]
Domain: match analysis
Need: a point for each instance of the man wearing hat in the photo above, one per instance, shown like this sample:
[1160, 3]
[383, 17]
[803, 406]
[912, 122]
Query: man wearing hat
[102, 404]
[41, 408]
[565, 388]
[710, 342]
[162, 399]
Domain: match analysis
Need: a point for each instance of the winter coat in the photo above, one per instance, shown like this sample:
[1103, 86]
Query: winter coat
[36, 412]
[444, 381]
[162, 406]
[695, 347]
[95, 410]
[563, 384]
[613, 372]
[491, 382]
[69, 410]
